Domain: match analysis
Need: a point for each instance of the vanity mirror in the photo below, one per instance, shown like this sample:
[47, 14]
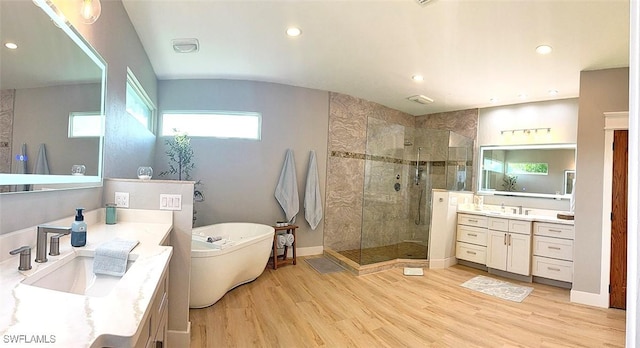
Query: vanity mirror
[51, 93]
[531, 170]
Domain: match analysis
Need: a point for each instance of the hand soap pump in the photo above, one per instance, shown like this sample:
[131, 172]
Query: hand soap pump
[79, 230]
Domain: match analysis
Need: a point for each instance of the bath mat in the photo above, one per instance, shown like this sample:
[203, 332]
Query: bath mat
[498, 288]
[412, 271]
[323, 265]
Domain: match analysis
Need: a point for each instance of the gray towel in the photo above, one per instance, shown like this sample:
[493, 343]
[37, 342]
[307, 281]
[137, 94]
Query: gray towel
[111, 257]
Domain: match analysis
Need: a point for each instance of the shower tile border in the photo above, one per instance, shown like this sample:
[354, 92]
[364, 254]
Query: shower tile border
[375, 158]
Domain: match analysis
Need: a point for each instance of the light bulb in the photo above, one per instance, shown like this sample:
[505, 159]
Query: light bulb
[90, 11]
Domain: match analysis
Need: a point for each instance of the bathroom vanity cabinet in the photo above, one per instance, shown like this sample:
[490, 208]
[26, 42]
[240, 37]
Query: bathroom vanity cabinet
[509, 245]
[553, 251]
[471, 238]
[154, 331]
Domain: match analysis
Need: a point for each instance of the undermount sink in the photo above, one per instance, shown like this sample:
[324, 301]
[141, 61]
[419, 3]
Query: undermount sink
[75, 276]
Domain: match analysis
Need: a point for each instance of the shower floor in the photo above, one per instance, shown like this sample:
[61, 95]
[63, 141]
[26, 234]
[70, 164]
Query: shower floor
[403, 250]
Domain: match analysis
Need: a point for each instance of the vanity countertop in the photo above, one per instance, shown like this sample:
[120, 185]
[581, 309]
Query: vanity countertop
[31, 314]
[498, 214]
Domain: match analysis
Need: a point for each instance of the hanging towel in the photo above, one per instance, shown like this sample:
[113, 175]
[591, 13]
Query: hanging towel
[287, 188]
[111, 257]
[41, 166]
[312, 198]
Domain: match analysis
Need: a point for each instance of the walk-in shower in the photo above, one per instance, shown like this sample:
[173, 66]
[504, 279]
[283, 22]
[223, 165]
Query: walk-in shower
[402, 167]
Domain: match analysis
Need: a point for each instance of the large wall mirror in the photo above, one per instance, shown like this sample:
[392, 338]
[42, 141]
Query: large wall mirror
[51, 101]
[534, 170]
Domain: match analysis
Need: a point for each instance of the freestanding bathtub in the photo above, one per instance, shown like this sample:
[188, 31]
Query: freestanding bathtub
[219, 267]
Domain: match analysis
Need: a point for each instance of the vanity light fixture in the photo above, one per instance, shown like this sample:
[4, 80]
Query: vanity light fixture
[544, 49]
[185, 45]
[525, 130]
[493, 100]
[90, 11]
[553, 92]
[294, 31]
[11, 45]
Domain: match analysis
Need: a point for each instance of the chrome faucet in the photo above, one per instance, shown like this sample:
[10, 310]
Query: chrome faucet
[41, 241]
[25, 257]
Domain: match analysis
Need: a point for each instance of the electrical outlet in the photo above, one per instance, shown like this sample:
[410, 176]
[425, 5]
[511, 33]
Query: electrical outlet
[170, 202]
[122, 199]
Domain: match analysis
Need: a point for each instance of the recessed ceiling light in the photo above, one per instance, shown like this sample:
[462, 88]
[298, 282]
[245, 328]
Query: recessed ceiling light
[10, 45]
[186, 45]
[544, 49]
[553, 92]
[293, 31]
[417, 77]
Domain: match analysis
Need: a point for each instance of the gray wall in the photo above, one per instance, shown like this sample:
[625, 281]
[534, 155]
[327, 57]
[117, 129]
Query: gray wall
[600, 91]
[127, 142]
[239, 176]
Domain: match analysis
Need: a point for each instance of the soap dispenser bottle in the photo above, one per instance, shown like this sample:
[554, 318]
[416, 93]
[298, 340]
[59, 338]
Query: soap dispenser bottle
[79, 230]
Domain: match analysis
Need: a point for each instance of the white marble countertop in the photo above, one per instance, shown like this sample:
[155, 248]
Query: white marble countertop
[29, 314]
[506, 215]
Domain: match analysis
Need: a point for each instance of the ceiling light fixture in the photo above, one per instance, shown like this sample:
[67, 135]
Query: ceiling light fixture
[90, 11]
[417, 78]
[11, 45]
[544, 49]
[421, 99]
[185, 45]
[293, 31]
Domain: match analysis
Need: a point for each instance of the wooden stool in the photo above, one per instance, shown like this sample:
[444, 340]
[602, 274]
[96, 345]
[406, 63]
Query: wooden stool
[279, 260]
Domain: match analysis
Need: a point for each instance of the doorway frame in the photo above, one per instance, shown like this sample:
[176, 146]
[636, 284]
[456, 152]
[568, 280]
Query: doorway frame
[612, 121]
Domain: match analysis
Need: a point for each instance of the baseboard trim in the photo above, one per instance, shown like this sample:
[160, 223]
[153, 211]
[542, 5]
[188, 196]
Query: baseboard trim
[591, 299]
[442, 263]
[309, 251]
[179, 338]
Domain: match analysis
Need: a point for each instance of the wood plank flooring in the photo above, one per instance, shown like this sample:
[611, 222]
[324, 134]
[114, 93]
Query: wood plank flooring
[295, 306]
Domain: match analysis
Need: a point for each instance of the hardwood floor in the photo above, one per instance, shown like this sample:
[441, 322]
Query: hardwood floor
[295, 306]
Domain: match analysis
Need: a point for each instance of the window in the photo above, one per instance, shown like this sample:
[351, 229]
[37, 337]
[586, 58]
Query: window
[493, 165]
[218, 124]
[85, 124]
[139, 105]
[528, 168]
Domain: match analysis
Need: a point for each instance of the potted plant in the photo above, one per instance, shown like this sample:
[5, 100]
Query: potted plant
[180, 155]
[509, 182]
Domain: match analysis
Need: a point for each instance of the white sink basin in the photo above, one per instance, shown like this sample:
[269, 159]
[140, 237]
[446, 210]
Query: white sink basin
[75, 276]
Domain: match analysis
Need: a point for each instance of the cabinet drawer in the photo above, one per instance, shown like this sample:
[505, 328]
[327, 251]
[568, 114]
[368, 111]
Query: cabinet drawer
[552, 269]
[473, 235]
[520, 226]
[553, 230]
[472, 220]
[471, 252]
[553, 247]
[498, 224]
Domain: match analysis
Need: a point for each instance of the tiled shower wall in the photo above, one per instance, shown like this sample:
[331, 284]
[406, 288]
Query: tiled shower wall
[388, 212]
[7, 97]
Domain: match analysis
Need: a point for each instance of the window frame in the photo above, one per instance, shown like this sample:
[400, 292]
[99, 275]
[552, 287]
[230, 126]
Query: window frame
[74, 114]
[141, 93]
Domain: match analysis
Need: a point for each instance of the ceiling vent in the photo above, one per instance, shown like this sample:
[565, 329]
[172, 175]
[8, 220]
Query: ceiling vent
[420, 99]
[185, 45]
[423, 2]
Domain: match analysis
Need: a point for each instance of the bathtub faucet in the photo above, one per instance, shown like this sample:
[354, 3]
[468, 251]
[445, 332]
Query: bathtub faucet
[213, 239]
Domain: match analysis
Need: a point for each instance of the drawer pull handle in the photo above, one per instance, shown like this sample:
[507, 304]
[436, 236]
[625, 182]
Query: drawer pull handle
[554, 248]
[472, 234]
[472, 220]
[471, 252]
[553, 269]
[552, 230]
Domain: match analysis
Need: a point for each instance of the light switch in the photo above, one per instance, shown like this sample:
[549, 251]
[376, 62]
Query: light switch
[170, 202]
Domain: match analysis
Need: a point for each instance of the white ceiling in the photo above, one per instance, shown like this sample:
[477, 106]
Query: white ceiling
[468, 51]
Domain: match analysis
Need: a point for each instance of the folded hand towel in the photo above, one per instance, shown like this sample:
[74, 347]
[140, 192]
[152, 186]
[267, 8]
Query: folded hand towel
[281, 240]
[111, 257]
[288, 239]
